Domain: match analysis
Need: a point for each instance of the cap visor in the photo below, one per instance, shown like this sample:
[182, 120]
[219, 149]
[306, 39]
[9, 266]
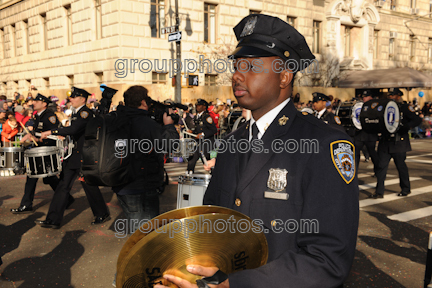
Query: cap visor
[250, 52]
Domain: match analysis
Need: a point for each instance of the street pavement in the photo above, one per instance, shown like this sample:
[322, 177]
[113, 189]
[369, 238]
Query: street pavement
[391, 245]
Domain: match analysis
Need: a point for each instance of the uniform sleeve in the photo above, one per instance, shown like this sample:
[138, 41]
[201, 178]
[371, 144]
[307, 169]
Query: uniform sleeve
[76, 127]
[323, 259]
[413, 119]
[51, 122]
[210, 127]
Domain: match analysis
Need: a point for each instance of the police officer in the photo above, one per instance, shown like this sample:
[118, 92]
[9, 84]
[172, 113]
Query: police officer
[319, 103]
[364, 139]
[395, 146]
[203, 124]
[45, 120]
[318, 185]
[71, 167]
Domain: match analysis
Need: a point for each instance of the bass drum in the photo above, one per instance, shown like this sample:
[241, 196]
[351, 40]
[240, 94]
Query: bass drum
[380, 116]
[349, 114]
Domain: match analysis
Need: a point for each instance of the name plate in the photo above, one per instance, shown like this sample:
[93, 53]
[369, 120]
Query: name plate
[276, 195]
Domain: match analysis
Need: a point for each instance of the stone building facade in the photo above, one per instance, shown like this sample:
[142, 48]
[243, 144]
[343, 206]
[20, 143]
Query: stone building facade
[55, 44]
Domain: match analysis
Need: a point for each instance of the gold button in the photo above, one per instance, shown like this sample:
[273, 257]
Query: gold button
[238, 202]
[286, 53]
[273, 223]
[402, 139]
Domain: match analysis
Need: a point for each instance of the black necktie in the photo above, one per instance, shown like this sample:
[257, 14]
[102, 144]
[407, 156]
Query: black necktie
[254, 131]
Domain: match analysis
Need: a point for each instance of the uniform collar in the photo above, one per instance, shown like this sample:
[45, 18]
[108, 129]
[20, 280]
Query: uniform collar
[264, 122]
[200, 114]
[77, 110]
[320, 113]
[40, 113]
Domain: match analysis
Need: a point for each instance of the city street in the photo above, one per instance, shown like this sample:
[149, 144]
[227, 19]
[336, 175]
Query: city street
[391, 246]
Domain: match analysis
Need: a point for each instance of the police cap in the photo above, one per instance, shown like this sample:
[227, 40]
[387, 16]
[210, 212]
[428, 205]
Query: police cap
[395, 91]
[366, 93]
[262, 35]
[320, 97]
[40, 97]
[202, 102]
[79, 92]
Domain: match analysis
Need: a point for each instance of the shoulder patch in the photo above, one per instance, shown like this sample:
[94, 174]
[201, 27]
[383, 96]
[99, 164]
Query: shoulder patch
[305, 113]
[209, 120]
[337, 119]
[342, 154]
[373, 105]
[84, 114]
[52, 119]
[411, 108]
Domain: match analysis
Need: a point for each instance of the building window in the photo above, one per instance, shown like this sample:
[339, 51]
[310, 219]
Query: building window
[430, 9]
[376, 47]
[346, 40]
[254, 12]
[45, 32]
[412, 46]
[430, 50]
[26, 37]
[393, 5]
[391, 48]
[99, 77]
[68, 9]
[210, 80]
[47, 82]
[98, 19]
[209, 23]
[157, 17]
[316, 37]
[291, 21]
[159, 78]
[2, 46]
[413, 4]
[70, 80]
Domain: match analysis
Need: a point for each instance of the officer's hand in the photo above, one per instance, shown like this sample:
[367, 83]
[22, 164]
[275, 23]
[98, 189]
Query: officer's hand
[25, 138]
[45, 134]
[197, 270]
[210, 164]
[167, 119]
[61, 138]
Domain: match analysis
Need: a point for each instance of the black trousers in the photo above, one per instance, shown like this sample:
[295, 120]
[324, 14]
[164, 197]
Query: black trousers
[370, 146]
[62, 194]
[30, 187]
[205, 148]
[399, 160]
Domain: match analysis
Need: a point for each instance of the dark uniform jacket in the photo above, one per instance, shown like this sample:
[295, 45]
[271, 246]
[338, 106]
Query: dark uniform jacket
[316, 190]
[205, 124]
[399, 142]
[45, 122]
[331, 119]
[76, 130]
[363, 136]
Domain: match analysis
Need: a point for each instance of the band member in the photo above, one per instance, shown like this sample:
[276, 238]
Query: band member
[44, 120]
[280, 186]
[395, 146]
[319, 103]
[71, 167]
[203, 124]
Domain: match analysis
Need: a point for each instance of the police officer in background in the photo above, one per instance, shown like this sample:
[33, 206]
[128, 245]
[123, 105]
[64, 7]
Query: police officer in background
[45, 120]
[203, 124]
[71, 167]
[395, 146]
[362, 138]
[319, 103]
[279, 187]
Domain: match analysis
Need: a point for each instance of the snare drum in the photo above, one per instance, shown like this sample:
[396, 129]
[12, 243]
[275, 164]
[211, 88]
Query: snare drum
[349, 114]
[11, 158]
[191, 189]
[43, 162]
[380, 116]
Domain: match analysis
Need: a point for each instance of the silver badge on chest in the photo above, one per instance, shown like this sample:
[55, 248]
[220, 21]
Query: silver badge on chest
[277, 182]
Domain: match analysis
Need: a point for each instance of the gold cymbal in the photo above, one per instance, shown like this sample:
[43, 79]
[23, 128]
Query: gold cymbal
[164, 218]
[231, 242]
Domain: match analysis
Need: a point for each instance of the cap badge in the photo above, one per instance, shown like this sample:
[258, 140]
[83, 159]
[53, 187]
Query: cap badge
[286, 53]
[283, 120]
[249, 27]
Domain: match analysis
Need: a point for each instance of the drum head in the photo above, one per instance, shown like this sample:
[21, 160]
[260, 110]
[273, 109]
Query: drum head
[391, 116]
[355, 115]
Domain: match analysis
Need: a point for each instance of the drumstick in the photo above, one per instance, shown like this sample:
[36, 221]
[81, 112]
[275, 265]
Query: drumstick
[29, 133]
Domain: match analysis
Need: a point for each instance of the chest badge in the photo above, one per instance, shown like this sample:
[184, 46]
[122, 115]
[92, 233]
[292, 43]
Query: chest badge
[277, 182]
